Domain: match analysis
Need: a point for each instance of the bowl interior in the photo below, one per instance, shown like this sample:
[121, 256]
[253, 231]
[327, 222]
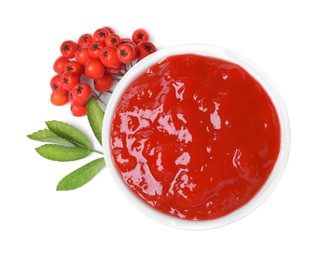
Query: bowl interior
[221, 53]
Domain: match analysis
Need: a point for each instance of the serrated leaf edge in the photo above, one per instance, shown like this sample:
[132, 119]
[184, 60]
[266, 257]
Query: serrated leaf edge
[92, 106]
[89, 146]
[53, 145]
[64, 142]
[82, 169]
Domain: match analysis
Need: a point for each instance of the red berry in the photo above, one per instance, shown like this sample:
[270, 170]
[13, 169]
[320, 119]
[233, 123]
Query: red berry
[109, 58]
[126, 53]
[140, 35]
[82, 55]
[74, 66]
[112, 71]
[100, 34]
[85, 39]
[126, 40]
[144, 49]
[95, 48]
[56, 85]
[78, 110]
[69, 80]
[72, 100]
[104, 83]
[68, 49]
[109, 29]
[58, 99]
[94, 69]
[81, 92]
[112, 40]
[59, 64]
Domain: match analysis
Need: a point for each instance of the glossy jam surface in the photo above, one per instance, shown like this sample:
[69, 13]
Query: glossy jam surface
[195, 137]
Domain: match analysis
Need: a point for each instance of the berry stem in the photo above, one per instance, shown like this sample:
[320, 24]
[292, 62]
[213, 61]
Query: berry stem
[98, 98]
[116, 77]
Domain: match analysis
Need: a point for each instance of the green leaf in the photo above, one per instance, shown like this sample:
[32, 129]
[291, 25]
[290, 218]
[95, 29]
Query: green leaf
[95, 116]
[81, 176]
[62, 153]
[46, 135]
[69, 133]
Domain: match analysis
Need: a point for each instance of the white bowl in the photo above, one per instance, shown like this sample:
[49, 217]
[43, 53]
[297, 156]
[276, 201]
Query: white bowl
[211, 51]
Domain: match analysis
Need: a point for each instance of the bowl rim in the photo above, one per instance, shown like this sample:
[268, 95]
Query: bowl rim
[268, 86]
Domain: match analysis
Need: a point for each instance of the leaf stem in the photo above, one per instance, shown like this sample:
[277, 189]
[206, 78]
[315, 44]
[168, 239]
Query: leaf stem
[96, 151]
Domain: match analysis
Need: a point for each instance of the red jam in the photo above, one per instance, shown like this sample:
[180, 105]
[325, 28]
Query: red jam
[195, 137]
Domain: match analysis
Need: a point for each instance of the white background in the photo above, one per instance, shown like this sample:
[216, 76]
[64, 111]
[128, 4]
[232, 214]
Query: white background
[286, 39]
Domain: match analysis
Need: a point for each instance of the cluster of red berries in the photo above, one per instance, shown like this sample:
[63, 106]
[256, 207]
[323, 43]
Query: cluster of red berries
[93, 63]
